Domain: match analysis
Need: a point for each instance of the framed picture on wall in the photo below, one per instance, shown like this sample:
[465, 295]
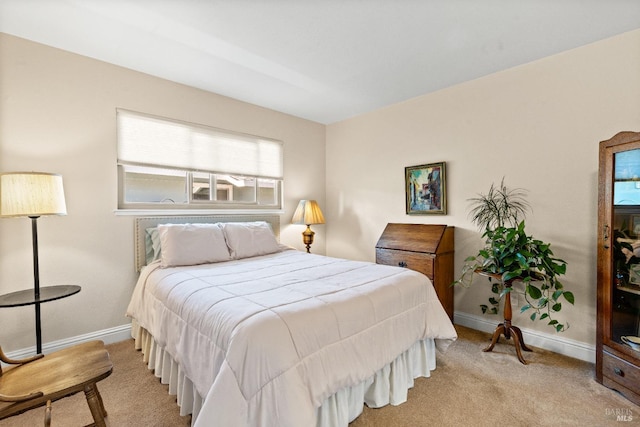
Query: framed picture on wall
[425, 187]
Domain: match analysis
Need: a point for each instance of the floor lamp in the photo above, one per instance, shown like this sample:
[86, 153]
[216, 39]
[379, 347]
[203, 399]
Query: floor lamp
[32, 194]
[308, 212]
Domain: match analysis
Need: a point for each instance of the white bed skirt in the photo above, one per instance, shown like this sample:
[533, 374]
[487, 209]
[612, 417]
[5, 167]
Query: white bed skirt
[389, 385]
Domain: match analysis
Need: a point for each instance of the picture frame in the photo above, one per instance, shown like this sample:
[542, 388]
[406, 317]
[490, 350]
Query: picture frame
[425, 189]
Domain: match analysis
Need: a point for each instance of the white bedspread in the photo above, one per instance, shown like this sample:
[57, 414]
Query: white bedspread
[267, 339]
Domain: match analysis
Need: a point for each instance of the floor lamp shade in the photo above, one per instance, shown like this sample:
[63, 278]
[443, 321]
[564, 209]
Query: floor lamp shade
[31, 194]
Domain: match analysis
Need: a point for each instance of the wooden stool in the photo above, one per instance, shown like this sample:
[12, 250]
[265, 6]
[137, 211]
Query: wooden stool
[39, 379]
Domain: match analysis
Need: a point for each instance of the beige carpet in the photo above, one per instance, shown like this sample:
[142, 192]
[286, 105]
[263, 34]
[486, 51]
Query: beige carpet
[132, 396]
[469, 388]
[473, 388]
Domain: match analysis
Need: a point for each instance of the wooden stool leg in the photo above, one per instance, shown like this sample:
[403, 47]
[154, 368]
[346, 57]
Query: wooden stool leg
[47, 414]
[95, 405]
[104, 411]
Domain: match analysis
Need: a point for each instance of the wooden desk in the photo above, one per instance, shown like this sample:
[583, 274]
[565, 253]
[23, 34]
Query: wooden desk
[426, 248]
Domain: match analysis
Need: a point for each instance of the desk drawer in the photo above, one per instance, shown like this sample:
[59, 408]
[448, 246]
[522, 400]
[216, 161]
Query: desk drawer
[413, 260]
[621, 371]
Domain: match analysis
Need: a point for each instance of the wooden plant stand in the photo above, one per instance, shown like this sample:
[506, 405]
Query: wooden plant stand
[507, 329]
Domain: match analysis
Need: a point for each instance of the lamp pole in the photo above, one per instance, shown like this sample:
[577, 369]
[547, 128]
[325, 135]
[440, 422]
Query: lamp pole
[36, 282]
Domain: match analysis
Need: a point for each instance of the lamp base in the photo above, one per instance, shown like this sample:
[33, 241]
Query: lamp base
[307, 238]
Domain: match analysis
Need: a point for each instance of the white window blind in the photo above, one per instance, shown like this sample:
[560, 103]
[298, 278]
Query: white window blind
[150, 141]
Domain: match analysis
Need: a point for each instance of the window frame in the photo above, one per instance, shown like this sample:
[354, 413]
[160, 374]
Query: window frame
[192, 204]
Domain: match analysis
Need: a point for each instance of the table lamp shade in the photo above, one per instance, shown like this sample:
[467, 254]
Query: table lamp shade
[31, 194]
[308, 212]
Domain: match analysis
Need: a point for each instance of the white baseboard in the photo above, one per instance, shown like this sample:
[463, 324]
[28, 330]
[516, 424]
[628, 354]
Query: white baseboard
[109, 336]
[555, 343]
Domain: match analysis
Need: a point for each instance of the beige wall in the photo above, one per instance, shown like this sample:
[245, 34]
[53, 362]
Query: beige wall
[57, 114]
[538, 125]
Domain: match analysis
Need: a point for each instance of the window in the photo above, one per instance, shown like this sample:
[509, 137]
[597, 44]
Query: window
[167, 164]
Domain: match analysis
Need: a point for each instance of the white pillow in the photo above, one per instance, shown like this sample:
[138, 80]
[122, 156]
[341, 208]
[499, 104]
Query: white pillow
[191, 244]
[248, 239]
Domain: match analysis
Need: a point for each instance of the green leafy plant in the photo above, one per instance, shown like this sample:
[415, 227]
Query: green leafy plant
[510, 254]
[499, 207]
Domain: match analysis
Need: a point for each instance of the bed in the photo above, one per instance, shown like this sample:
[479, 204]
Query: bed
[248, 332]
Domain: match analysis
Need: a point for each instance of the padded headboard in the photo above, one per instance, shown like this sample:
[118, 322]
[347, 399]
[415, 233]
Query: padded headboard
[142, 223]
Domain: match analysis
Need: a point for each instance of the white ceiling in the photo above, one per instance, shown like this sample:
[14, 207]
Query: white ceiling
[323, 60]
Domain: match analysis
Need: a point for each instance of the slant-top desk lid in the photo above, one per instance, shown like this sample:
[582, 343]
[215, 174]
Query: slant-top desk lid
[426, 238]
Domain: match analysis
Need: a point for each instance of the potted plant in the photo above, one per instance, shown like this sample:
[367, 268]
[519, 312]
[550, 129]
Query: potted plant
[510, 254]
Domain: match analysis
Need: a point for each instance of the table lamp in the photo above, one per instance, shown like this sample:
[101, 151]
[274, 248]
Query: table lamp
[32, 194]
[308, 212]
